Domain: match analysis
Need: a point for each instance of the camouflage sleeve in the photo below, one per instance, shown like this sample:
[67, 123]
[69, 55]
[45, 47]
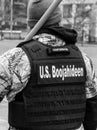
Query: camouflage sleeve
[91, 79]
[14, 73]
[90, 119]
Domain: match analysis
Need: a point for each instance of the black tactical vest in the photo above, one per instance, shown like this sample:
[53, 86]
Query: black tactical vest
[54, 98]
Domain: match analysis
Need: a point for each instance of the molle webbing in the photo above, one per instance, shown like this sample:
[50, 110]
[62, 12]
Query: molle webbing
[54, 98]
[51, 109]
[59, 106]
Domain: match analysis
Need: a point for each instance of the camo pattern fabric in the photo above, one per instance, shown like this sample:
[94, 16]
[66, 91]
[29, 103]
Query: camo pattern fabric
[15, 71]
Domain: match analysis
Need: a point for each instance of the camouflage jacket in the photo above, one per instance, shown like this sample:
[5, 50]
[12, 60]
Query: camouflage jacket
[15, 70]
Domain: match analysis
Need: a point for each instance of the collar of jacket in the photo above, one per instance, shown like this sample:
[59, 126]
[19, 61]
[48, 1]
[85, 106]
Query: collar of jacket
[67, 35]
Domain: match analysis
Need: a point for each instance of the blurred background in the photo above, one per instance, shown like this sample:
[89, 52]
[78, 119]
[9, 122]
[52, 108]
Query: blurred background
[78, 14]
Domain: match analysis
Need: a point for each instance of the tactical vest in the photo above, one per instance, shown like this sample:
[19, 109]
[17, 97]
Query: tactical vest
[54, 98]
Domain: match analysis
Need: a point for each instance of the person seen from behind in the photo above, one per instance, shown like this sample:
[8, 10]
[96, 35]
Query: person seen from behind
[50, 84]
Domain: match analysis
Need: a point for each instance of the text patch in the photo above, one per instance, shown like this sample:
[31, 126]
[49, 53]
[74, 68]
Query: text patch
[60, 73]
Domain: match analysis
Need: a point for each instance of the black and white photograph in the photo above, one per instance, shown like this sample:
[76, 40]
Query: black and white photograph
[48, 64]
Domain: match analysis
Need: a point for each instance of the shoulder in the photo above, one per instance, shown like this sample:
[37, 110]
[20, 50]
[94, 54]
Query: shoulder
[12, 55]
[88, 61]
[13, 51]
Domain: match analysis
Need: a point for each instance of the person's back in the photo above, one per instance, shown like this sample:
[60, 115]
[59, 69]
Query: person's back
[49, 83]
[55, 96]
[57, 92]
